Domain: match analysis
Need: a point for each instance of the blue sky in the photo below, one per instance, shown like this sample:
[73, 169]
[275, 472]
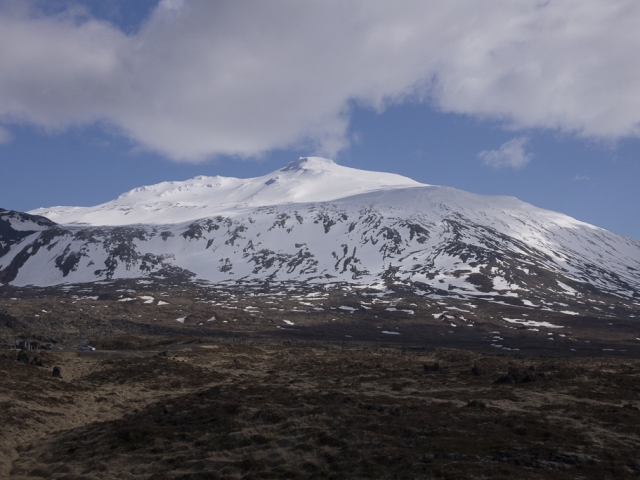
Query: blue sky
[97, 98]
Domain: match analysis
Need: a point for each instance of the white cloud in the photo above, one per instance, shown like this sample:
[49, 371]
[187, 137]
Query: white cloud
[202, 78]
[580, 177]
[5, 135]
[510, 154]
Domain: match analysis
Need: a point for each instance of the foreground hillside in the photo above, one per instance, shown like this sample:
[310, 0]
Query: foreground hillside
[267, 409]
[193, 380]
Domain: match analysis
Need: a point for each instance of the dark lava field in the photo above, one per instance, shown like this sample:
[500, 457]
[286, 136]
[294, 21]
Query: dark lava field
[194, 381]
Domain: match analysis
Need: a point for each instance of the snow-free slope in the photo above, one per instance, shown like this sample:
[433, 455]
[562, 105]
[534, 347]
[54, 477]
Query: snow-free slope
[309, 179]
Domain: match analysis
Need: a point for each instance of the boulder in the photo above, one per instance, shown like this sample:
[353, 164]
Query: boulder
[23, 357]
[36, 362]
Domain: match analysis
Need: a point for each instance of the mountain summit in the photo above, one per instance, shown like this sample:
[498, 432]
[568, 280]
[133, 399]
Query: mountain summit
[308, 179]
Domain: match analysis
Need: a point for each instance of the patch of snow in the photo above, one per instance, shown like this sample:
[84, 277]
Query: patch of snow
[531, 323]
[393, 309]
[528, 303]
[568, 290]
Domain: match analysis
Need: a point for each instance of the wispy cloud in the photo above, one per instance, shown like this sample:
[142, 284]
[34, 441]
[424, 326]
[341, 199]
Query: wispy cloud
[510, 154]
[206, 78]
[579, 177]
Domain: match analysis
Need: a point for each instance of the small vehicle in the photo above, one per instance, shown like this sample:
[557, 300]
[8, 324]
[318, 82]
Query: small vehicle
[48, 346]
[86, 348]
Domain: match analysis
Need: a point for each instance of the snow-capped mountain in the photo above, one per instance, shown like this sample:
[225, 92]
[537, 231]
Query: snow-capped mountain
[314, 221]
[306, 180]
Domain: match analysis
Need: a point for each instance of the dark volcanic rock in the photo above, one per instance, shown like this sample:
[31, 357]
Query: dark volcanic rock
[23, 357]
[515, 376]
[432, 368]
[36, 361]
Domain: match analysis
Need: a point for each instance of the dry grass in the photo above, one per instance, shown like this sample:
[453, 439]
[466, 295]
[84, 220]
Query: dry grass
[275, 410]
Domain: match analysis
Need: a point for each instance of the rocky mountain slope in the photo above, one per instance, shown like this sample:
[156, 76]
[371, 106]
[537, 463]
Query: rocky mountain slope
[316, 222]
